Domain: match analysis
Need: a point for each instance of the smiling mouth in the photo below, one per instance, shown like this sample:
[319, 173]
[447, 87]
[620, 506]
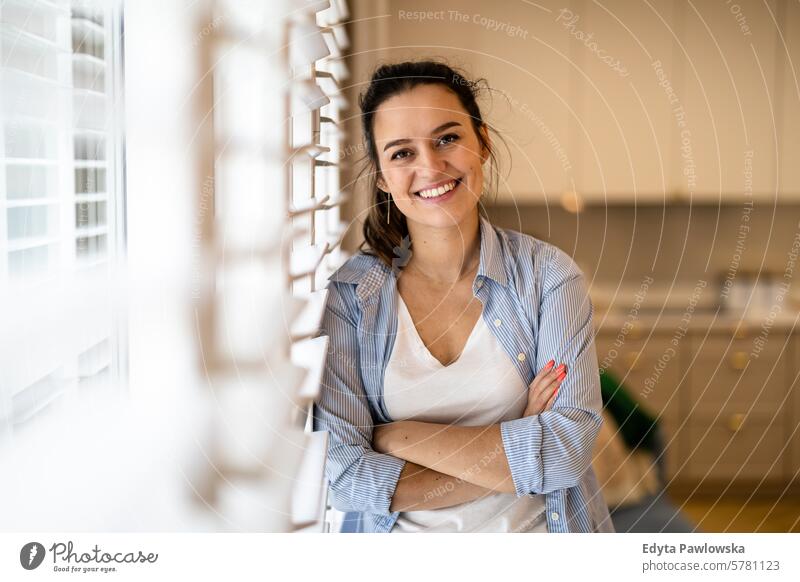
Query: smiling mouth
[440, 191]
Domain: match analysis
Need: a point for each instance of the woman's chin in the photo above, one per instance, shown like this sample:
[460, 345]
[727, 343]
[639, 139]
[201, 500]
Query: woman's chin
[440, 217]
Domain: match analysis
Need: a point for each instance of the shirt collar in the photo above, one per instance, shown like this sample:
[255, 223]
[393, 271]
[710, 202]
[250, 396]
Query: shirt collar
[369, 273]
[491, 264]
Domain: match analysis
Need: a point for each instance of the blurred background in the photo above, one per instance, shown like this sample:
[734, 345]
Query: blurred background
[178, 182]
[656, 143]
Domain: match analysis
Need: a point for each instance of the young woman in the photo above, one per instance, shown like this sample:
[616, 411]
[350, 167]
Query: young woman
[461, 390]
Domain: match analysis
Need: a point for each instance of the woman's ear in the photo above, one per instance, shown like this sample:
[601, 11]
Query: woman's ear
[381, 183]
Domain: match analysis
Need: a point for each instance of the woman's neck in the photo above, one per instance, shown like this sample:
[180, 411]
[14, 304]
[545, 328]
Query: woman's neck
[445, 255]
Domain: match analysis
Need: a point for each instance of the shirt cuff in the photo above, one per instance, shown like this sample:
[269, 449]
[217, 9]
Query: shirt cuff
[522, 441]
[385, 474]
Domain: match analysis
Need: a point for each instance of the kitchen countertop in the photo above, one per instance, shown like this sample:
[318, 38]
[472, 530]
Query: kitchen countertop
[669, 321]
[665, 308]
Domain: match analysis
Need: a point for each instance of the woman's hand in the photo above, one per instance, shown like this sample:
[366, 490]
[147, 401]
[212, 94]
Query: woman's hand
[543, 390]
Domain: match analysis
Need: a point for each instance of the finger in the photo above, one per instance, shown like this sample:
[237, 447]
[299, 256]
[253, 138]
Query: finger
[554, 372]
[552, 399]
[550, 380]
[548, 372]
[544, 391]
[548, 367]
[546, 400]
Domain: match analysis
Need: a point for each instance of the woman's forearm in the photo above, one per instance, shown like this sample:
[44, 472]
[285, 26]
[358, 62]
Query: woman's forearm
[471, 453]
[423, 488]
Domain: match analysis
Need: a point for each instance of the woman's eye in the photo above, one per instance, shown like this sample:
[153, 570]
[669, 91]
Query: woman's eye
[449, 138]
[397, 155]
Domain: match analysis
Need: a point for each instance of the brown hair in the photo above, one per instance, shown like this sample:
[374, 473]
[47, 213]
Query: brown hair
[388, 81]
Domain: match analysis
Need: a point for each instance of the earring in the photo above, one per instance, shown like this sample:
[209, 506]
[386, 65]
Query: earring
[388, 212]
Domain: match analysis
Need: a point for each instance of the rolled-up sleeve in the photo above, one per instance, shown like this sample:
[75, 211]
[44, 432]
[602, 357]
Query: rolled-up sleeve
[360, 478]
[553, 450]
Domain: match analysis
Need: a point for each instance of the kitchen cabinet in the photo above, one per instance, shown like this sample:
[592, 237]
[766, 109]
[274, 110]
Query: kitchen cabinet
[726, 379]
[624, 124]
[728, 83]
[635, 363]
[789, 100]
[726, 416]
[705, 109]
[532, 109]
[621, 102]
[717, 452]
[737, 407]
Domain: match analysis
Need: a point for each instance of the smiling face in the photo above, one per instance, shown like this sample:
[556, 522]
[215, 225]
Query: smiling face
[430, 158]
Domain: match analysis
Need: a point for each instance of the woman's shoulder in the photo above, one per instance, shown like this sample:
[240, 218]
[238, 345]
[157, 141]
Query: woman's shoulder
[529, 251]
[355, 268]
[344, 289]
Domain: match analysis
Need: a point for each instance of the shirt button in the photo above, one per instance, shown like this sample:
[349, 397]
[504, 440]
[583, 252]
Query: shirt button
[497, 322]
[554, 516]
[479, 283]
[521, 357]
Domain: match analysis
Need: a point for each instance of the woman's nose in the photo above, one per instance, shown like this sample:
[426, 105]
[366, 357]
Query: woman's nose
[431, 161]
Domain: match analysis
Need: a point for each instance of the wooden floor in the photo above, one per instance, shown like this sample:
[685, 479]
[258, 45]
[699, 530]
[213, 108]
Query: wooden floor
[740, 515]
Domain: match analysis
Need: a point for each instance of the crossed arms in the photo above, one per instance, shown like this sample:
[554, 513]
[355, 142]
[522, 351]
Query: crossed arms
[415, 465]
[450, 464]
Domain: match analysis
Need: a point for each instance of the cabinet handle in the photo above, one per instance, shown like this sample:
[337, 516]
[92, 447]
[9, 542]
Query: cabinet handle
[738, 360]
[632, 360]
[735, 421]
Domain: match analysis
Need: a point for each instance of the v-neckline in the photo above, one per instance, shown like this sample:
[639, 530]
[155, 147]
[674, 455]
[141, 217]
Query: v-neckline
[422, 345]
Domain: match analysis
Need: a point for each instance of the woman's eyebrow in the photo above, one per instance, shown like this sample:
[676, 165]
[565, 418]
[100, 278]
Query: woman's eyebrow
[407, 140]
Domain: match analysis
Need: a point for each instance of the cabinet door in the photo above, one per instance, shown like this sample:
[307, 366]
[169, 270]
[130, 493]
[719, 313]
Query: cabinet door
[789, 169]
[719, 452]
[737, 408]
[531, 108]
[728, 60]
[649, 368]
[727, 379]
[624, 124]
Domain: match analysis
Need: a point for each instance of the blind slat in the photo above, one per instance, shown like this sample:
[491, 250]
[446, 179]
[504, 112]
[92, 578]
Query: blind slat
[308, 498]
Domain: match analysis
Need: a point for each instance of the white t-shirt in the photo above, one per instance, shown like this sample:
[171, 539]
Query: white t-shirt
[481, 387]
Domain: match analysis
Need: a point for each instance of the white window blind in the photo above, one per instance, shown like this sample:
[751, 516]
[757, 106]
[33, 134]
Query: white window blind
[60, 190]
[318, 69]
[271, 241]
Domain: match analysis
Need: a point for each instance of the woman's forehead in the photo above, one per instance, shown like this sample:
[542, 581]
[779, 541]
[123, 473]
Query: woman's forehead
[415, 113]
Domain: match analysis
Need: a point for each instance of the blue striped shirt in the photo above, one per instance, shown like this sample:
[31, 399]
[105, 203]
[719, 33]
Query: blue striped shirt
[539, 295]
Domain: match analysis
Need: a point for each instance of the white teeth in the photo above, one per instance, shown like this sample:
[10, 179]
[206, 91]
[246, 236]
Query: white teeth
[434, 192]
